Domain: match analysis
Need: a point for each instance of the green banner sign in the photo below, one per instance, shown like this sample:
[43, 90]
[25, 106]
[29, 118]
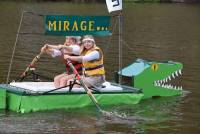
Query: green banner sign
[77, 25]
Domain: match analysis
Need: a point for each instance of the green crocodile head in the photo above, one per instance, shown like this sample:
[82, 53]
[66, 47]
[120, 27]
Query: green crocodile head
[154, 78]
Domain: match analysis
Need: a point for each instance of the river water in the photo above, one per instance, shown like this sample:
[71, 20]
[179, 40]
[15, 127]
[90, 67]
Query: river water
[157, 32]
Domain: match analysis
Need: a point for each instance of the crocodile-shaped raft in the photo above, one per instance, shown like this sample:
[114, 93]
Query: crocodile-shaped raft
[154, 78]
[147, 79]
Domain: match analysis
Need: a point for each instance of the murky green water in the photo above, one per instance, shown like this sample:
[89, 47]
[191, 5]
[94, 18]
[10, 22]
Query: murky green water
[157, 32]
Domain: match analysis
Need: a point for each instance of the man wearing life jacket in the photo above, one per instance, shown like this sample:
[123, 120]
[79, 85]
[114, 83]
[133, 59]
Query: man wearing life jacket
[70, 47]
[91, 57]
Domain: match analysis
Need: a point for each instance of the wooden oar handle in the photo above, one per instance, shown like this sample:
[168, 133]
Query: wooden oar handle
[36, 59]
[88, 91]
[73, 69]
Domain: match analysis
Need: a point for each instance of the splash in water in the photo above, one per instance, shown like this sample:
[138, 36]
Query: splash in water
[114, 114]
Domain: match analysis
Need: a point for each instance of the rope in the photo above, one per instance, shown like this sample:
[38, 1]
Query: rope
[16, 40]
[130, 48]
[14, 47]
[109, 40]
[34, 13]
[120, 46]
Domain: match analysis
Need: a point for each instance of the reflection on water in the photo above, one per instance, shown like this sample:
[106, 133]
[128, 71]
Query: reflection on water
[149, 115]
[157, 32]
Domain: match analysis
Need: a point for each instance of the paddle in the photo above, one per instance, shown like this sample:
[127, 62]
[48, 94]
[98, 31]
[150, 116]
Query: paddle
[36, 59]
[87, 90]
[46, 92]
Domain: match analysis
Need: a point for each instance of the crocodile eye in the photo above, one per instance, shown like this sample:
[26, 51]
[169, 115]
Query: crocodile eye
[154, 67]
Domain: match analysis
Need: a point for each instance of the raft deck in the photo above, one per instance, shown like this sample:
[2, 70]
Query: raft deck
[27, 97]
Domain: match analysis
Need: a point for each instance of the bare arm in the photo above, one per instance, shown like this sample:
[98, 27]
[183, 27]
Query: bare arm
[48, 49]
[66, 48]
[89, 57]
[74, 58]
[54, 46]
[60, 47]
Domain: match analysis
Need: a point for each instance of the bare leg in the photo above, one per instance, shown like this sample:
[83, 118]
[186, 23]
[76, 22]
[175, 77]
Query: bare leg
[57, 79]
[64, 80]
[76, 85]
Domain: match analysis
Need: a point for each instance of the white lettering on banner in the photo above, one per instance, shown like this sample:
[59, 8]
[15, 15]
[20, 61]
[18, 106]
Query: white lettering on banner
[114, 5]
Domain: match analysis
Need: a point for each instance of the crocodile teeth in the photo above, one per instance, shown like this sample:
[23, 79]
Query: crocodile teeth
[180, 88]
[176, 73]
[164, 82]
[155, 83]
[173, 75]
[169, 78]
[180, 72]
